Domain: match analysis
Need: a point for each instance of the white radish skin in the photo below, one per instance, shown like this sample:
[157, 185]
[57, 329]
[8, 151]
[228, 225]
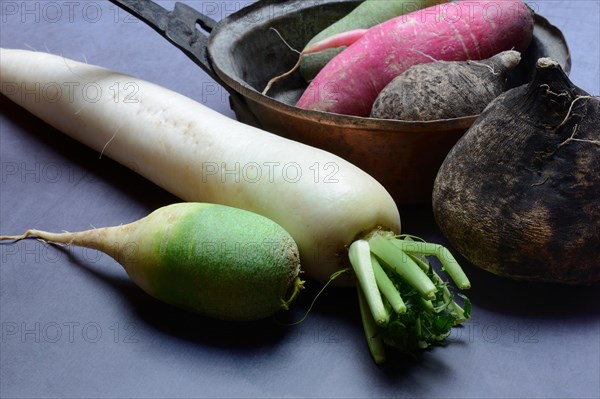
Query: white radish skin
[323, 201]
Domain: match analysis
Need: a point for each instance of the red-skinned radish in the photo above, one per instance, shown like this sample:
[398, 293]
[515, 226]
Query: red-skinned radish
[366, 15]
[455, 31]
[340, 40]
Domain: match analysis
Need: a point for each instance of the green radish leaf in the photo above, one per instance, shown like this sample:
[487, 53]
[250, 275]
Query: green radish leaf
[419, 327]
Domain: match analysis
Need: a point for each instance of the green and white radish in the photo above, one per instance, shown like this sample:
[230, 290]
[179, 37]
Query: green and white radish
[323, 201]
[218, 261]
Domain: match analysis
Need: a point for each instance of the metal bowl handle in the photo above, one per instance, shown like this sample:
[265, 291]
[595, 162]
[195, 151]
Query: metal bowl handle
[179, 26]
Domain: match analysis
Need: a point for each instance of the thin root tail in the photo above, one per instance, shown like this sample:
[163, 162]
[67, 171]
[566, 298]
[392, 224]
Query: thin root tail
[283, 76]
[50, 238]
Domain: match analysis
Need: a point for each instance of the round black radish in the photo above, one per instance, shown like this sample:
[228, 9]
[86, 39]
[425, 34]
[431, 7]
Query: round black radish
[519, 194]
[445, 89]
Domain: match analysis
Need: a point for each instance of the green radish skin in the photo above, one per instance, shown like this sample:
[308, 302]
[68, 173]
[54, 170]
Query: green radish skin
[366, 15]
[323, 201]
[218, 261]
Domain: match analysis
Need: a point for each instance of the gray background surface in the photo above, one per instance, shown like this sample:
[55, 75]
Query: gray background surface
[73, 325]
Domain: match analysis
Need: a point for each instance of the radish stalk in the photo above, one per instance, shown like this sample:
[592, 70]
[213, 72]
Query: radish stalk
[424, 308]
[448, 261]
[421, 261]
[360, 258]
[374, 342]
[202, 156]
[428, 305]
[387, 288]
[402, 264]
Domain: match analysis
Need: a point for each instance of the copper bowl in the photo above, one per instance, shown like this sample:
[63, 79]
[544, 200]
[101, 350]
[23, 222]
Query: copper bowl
[242, 53]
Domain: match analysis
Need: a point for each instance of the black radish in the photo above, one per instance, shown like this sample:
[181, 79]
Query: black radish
[519, 194]
[445, 89]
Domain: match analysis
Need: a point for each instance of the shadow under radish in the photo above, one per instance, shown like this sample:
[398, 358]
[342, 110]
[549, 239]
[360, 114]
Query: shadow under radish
[173, 322]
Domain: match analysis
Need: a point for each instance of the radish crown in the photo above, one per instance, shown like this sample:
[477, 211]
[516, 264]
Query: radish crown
[404, 303]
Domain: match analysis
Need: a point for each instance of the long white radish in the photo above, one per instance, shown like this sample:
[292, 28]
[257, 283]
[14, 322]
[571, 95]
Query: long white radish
[324, 202]
[200, 155]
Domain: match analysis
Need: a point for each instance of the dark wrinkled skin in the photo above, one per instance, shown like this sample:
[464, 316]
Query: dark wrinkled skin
[519, 195]
[445, 89]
